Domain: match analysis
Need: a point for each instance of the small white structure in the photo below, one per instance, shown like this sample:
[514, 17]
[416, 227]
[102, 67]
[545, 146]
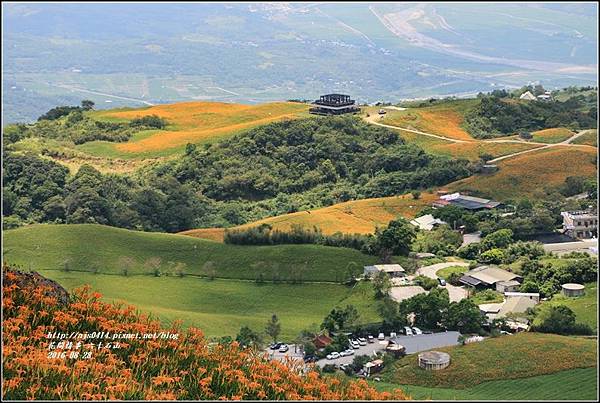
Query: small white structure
[573, 290]
[507, 286]
[393, 270]
[534, 296]
[434, 360]
[528, 96]
[427, 222]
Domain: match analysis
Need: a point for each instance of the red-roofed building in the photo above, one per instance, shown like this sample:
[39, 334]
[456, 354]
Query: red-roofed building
[322, 341]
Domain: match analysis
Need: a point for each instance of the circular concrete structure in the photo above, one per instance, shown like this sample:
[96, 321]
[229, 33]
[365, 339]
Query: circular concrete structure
[573, 289]
[434, 360]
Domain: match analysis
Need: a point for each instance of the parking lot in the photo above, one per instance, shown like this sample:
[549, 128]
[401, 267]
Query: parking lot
[294, 353]
[413, 344]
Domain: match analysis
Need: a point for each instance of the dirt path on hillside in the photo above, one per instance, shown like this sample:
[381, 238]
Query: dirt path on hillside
[373, 120]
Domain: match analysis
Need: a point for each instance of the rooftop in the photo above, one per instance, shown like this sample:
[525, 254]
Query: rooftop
[426, 222]
[388, 268]
[573, 286]
[467, 202]
[434, 357]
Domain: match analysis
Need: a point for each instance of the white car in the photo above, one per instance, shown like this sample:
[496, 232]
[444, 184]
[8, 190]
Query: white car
[371, 339]
[333, 356]
[355, 344]
[362, 341]
[416, 330]
[344, 353]
[381, 336]
[284, 348]
[392, 335]
[349, 351]
[407, 331]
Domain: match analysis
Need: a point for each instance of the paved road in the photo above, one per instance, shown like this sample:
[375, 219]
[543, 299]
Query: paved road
[405, 292]
[413, 344]
[455, 293]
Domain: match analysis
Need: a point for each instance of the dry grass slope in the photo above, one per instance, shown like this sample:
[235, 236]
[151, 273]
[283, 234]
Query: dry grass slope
[528, 175]
[358, 216]
[194, 122]
[555, 135]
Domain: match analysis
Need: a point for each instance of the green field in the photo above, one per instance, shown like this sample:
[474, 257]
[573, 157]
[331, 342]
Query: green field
[575, 384]
[585, 307]
[447, 271]
[102, 249]
[221, 307]
[521, 355]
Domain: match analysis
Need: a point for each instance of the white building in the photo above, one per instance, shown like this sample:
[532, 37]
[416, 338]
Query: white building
[393, 270]
[580, 224]
[427, 222]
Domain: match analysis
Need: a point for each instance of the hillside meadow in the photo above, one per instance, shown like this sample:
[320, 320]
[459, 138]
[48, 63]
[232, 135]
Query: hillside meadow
[530, 175]
[554, 135]
[445, 119]
[574, 384]
[521, 355]
[107, 250]
[590, 138]
[357, 216]
[220, 307]
[189, 122]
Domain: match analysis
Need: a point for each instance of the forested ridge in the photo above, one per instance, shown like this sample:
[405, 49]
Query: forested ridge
[269, 170]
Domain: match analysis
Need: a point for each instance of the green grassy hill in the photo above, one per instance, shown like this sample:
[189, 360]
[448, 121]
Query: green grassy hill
[516, 356]
[101, 249]
[575, 384]
[221, 307]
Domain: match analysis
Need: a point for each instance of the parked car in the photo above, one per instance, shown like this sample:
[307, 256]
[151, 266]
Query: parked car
[310, 358]
[381, 336]
[416, 330]
[442, 282]
[284, 348]
[392, 335]
[407, 331]
[344, 353]
[350, 351]
[370, 339]
[362, 341]
[355, 344]
[275, 346]
[333, 356]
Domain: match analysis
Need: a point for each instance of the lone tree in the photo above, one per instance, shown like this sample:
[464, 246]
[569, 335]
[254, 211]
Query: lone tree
[273, 328]
[87, 105]
[382, 284]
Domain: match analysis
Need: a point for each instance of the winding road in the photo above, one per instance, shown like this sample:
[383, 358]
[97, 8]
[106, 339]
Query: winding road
[567, 142]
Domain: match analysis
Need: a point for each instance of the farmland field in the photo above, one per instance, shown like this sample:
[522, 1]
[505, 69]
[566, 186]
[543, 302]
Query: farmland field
[574, 384]
[221, 307]
[101, 249]
[515, 356]
[189, 122]
[555, 135]
[358, 216]
[529, 175]
[590, 138]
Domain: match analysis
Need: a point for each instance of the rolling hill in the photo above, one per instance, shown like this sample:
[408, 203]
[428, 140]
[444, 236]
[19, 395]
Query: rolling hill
[521, 355]
[357, 216]
[101, 249]
[190, 122]
[217, 287]
[529, 175]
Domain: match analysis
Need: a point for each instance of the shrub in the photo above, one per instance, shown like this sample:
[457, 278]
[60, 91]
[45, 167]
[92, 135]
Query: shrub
[425, 282]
